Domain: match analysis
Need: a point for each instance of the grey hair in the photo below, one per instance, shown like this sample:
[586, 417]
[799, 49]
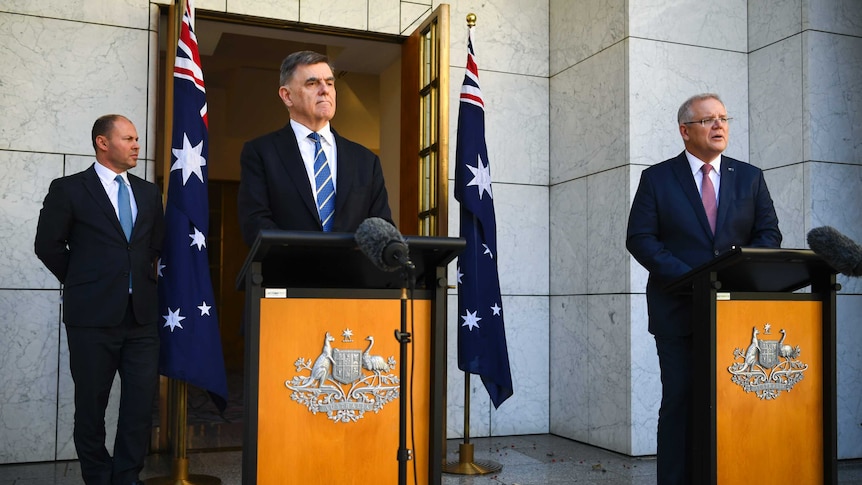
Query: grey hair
[684, 114]
[300, 58]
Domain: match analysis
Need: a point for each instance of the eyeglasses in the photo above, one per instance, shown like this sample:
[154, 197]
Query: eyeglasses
[723, 120]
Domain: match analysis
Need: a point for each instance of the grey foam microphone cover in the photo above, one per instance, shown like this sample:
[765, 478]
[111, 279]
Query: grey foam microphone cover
[373, 237]
[836, 249]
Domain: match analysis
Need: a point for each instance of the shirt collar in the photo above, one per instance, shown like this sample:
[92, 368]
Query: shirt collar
[695, 163]
[303, 131]
[107, 176]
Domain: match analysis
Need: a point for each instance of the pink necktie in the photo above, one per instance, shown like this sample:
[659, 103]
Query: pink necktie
[707, 195]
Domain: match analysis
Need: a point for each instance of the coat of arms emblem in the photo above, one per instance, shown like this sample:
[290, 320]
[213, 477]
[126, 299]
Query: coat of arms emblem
[768, 366]
[344, 383]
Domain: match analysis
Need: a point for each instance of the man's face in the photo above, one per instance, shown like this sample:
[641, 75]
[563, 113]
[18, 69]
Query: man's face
[119, 148]
[310, 95]
[705, 142]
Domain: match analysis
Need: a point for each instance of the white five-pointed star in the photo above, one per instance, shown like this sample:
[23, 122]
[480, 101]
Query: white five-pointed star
[204, 308]
[496, 309]
[198, 239]
[189, 159]
[481, 178]
[488, 251]
[470, 320]
[458, 275]
[161, 267]
[173, 319]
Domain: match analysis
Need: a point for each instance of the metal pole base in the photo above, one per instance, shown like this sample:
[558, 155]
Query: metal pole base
[180, 476]
[466, 465]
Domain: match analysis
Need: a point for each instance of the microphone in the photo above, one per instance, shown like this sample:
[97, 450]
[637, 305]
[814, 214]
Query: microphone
[836, 249]
[383, 244]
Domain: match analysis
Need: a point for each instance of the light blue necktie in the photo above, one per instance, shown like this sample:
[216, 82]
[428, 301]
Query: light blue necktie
[124, 206]
[325, 190]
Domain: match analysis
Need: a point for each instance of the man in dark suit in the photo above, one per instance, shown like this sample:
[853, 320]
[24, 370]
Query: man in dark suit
[680, 219]
[100, 232]
[284, 177]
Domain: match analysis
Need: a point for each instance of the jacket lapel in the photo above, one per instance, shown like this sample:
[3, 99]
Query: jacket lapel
[725, 190]
[94, 186]
[291, 158]
[682, 171]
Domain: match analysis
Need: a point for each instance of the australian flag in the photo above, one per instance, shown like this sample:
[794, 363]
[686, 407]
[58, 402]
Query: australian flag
[481, 334]
[190, 342]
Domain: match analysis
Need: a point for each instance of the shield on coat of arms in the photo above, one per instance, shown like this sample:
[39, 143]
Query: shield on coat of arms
[768, 355]
[348, 365]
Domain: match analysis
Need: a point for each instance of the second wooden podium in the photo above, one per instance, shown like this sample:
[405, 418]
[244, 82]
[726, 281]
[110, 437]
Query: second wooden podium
[322, 361]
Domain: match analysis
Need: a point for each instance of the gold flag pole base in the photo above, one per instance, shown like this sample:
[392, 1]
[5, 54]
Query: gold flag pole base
[180, 476]
[466, 465]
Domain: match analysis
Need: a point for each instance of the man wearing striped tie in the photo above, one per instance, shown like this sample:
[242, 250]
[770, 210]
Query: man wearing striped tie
[305, 176]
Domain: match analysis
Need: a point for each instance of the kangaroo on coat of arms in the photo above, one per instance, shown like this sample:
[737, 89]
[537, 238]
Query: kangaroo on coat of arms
[768, 366]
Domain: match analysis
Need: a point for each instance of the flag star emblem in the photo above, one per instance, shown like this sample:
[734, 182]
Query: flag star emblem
[496, 309]
[204, 308]
[198, 239]
[488, 251]
[160, 267]
[173, 319]
[189, 159]
[458, 274]
[470, 320]
[481, 178]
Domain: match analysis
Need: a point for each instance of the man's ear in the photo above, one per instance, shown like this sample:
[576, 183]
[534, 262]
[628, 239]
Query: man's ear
[102, 142]
[284, 94]
[683, 131]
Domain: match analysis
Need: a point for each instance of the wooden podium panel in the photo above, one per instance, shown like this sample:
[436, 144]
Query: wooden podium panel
[296, 445]
[776, 439]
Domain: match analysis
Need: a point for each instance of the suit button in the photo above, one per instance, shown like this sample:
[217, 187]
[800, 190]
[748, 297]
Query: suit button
[716, 252]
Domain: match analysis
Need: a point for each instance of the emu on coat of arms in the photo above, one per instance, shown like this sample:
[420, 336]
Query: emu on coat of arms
[344, 383]
[768, 366]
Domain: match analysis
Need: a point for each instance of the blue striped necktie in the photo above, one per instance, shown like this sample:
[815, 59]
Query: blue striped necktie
[325, 190]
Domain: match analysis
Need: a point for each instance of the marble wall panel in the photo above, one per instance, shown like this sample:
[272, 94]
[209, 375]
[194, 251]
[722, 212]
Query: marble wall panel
[719, 25]
[582, 29]
[833, 200]
[569, 356]
[569, 249]
[833, 81]
[588, 117]
[121, 13]
[522, 238]
[350, 14]
[607, 217]
[273, 9]
[413, 14]
[148, 125]
[639, 274]
[675, 72]
[54, 113]
[836, 16]
[516, 125]
[776, 103]
[771, 21]
[215, 5]
[28, 374]
[510, 35]
[645, 391]
[23, 188]
[384, 16]
[849, 363]
[787, 188]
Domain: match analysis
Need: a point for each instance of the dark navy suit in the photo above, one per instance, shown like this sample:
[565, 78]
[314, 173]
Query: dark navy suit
[109, 330]
[275, 193]
[668, 233]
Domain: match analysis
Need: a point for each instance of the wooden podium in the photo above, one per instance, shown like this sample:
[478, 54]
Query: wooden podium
[322, 361]
[764, 371]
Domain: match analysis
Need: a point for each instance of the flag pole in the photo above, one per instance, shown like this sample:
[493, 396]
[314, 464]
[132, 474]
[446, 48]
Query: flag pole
[466, 463]
[177, 390]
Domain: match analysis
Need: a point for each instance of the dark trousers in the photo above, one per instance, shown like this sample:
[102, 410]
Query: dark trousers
[673, 454]
[96, 355]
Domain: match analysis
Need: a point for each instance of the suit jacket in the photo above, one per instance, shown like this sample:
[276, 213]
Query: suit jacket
[80, 240]
[275, 193]
[668, 232]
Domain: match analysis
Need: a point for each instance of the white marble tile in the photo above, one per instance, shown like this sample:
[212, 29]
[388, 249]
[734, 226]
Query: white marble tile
[569, 253]
[836, 16]
[675, 72]
[516, 125]
[412, 15]
[720, 25]
[569, 359]
[833, 82]
[581, 29]
[384, 16]
[645, 394]
[776, 104]
[771, 21]
[607, 217]
[849, 363]
[522, 238]
[273, 9]
[148, 124]
[787, 188]
[214, 5]
[832, 189]
[510, 35]
[123, 13]
[54, 113]
[23, 189]
[28, 374]
[638, 274]
[589, 108]
[350, 14]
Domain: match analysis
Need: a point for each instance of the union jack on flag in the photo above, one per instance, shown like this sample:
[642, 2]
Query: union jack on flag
[481, 334]
[190, 341]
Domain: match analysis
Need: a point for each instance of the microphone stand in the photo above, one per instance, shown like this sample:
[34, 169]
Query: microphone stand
[403, 338]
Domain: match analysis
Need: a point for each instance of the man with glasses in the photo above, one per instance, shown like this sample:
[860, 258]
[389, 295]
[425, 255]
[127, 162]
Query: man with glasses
[686, 211]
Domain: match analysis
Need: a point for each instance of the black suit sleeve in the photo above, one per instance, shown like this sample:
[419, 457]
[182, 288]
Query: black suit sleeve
[765, 233]
[52, 230]
[253, 201]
